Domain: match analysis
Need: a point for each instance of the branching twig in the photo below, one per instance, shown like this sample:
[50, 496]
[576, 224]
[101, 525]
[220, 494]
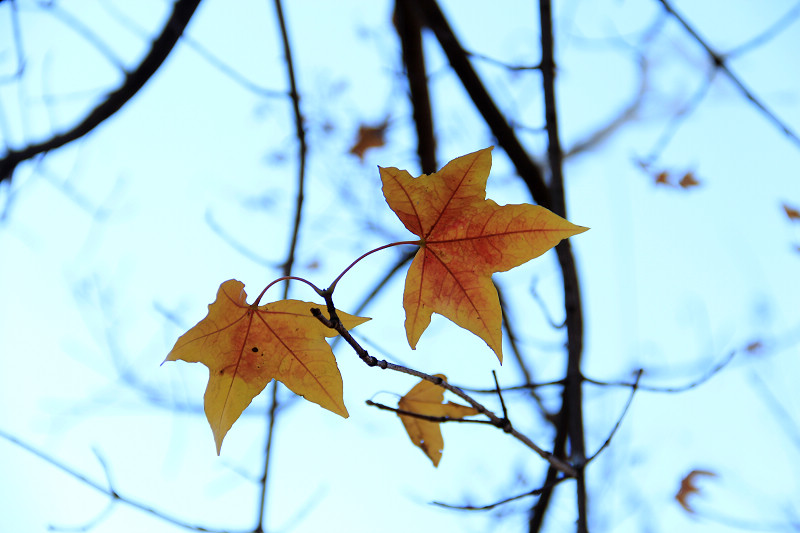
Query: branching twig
[287, 266]
[409, 29]
[182, 13]
[621, 416]
[334, 323]
[432, 16]
[719, 62]
[651, 388]
[570, 422]
[108, 491]
[534, 492]
[429, 418]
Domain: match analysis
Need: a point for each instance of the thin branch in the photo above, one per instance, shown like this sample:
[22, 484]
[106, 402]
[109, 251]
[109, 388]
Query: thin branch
[497, 62]
[231, 241]
[334, 323]
[429, 418]
[677, 119]
[623, 117]
[215, 61]
[500, 395]
[432, 16]
[534, 492]
[783, 22]
[111, 493]
[571, 418]
[17, 33]
[719, 61]
[682, 388]
[160, 49]
[107, 510]
[272, 412]
[289, 263]
[76, 25]
[785, 419]
[619, 420]
[543, 306]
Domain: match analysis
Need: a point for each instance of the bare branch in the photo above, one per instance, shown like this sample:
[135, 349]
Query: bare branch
[619, 420]
[160, 49]
[108, 491]
[534, 492]
[336, 324]
[719, 62]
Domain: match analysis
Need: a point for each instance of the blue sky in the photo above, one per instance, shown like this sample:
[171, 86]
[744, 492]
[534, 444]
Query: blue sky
[114, 245]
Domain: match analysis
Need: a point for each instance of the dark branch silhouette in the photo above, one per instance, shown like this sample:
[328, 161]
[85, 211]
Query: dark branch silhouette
[160, 49]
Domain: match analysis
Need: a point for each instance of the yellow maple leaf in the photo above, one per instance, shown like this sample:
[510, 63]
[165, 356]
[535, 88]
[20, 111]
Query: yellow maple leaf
[464, 239]
[426, 399]
[246, 346]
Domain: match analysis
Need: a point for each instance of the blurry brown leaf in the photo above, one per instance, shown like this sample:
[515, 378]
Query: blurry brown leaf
[369, 137]
[754, 346]
[688, 180]
[662, 178]
[688, 488]
[792, 213]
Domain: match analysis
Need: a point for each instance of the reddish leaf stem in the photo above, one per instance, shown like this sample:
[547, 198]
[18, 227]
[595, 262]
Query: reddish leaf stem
[286, 278]
[333, 285]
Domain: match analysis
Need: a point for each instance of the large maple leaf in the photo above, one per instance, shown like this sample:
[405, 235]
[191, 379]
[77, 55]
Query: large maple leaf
[464, 239]
[246, 346]
[426, 399]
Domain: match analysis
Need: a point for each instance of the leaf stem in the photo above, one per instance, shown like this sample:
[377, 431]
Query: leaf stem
[332, 287]
[286, 278]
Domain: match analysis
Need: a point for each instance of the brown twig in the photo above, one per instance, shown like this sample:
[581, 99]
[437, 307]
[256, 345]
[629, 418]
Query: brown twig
[108, 491]
[409, 29]
[432, 17]
[334, 323]
[621, 416]
[289, 263]
[160, 49]
[429, 418]
[571, 417]
[534, 492]
[719, 62]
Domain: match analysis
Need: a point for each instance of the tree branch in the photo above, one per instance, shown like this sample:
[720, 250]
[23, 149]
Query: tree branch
[409, 29]
[432, 17]
[334, 323]
[718, 61]
[289, 263]
[571, 419]
[160, 49]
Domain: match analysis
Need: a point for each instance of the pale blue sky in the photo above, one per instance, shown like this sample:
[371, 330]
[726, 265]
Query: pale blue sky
[102, 236]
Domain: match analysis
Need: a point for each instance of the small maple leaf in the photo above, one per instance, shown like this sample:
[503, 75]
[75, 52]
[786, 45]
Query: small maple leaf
[688, 180]
[426, 399]
[688, 488]
[792, 213]
[464, 239]
[369, 137]
[246, 346]
[662, 178]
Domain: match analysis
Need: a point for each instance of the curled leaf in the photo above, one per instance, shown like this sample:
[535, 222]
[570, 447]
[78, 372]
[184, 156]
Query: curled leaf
[426, 399]
[792, 213]
[688, 487]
